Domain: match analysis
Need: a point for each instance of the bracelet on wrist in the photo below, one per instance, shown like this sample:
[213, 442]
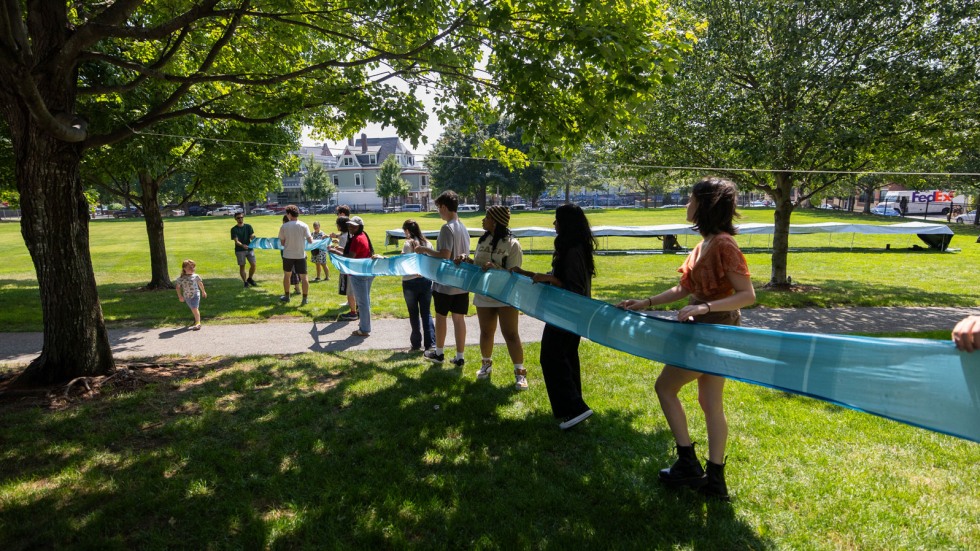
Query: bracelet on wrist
[708, 304]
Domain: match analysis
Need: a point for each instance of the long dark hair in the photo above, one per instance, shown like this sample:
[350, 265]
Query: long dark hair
[415, 232]
[716, 206]
[499, 232]
[574, 231]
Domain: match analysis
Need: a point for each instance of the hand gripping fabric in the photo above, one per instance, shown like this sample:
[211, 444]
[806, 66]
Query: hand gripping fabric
[925, 383]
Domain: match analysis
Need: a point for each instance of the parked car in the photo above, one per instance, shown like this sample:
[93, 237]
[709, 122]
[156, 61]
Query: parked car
[468, 208]
[519, 206]
[225, 211]
[176, 212]
[196, 210]
[324, 209]
[883, 210]
[128, 212]
[412, 208]
[760, 204]
[968, 218]
[262, 210]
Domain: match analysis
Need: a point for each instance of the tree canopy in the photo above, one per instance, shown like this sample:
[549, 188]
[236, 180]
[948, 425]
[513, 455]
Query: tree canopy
[790, 89]
[86, 74]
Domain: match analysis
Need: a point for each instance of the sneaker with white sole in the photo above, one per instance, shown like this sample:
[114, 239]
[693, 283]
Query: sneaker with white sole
[486, 369]
[520, 379]
[457, 362]
[431, 355]
[570, 422]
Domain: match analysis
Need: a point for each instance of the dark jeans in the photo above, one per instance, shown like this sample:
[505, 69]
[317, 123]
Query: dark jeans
[561, 370]
[418, 298]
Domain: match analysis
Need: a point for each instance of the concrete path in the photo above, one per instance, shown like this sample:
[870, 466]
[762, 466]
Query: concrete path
[304, 336]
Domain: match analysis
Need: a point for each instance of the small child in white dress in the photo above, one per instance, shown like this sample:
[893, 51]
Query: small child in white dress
[190, 290]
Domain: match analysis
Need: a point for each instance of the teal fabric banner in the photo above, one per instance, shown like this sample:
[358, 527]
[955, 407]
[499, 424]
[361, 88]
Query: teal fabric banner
[273, 243]
[925, 383]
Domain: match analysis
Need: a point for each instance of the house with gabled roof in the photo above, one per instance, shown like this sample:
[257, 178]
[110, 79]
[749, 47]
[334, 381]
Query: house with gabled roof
[356, 173]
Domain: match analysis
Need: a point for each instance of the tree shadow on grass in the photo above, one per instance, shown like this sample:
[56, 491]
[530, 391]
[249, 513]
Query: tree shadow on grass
[326, 451]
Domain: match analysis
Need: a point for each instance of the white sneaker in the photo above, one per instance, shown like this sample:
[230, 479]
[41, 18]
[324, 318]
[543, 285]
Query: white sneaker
[520, 377]
[570, 422]
[486, 369]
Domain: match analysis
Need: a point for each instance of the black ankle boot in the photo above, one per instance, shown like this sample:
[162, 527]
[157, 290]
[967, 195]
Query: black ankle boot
[715, 486]
[686, 471]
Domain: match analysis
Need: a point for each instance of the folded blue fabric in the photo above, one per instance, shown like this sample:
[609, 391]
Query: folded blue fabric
[925, 383]
[273, 243]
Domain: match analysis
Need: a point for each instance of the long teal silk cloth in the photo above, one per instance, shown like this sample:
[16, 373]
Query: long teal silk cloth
[925, 383]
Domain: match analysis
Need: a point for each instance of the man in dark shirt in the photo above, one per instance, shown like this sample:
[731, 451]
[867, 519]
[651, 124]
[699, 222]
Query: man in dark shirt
[242, 234]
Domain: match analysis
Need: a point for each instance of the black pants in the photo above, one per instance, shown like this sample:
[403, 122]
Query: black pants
[561, 370]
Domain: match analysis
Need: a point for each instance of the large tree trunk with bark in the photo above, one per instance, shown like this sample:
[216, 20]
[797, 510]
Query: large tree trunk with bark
[780, 237]
[159, 272]
[55, 226]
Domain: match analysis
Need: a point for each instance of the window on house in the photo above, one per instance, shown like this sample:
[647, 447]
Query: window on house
[357, 179]
[425, 181]
[348, 161]
[373, 159]
[336, 181]
[411, 161]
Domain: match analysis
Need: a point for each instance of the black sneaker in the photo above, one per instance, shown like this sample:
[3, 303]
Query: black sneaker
[349, 316]
[252, 282]
[570, 422]
[431, 355]
[245, 283]
[457, 362]
[303, 302]
[284, 298]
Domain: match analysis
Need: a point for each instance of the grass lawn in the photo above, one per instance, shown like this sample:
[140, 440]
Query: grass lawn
[377, 450]
[380, 450]
[835, 269]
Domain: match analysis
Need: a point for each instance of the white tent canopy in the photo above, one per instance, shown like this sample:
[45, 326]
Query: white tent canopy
[918, 228]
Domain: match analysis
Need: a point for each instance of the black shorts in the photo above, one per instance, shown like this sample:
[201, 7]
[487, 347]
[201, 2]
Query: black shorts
[457, 304]
[297, 265]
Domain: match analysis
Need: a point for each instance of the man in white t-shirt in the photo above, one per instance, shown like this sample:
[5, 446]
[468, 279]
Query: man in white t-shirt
[293, 236]
[454, 240]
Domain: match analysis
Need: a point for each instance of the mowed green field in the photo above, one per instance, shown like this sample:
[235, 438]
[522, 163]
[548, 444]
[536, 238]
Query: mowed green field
[833, 269]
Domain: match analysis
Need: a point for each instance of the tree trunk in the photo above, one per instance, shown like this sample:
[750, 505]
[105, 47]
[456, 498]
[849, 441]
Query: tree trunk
[55, 226]
[159, 272]
[780, 235]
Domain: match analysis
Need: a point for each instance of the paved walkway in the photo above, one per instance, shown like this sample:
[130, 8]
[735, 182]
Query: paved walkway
[303, 336]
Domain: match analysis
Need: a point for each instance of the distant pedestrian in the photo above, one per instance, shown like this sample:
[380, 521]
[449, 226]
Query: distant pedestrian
[190, 290]
[293, 236]
[242, 234]
[417, 291]
[343, 236]
[359, 246]
[319, 256]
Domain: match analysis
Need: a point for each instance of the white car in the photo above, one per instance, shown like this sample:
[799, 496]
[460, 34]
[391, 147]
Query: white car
[968, 218]
[882, 210]
[225, 211]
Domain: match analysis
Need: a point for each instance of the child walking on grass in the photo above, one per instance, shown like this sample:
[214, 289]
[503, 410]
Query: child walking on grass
[190, 290]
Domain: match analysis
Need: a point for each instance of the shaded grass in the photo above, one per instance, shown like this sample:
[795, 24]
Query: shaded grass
[834, 270]
[377, 450]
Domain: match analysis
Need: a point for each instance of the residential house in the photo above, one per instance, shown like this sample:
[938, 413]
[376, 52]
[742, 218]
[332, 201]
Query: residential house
[292, 185]
[356, 173]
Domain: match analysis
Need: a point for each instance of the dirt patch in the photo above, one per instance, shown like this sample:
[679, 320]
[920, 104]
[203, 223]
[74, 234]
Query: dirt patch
[129, 376]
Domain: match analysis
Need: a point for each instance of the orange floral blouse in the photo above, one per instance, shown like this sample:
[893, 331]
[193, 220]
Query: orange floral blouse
[705, 278]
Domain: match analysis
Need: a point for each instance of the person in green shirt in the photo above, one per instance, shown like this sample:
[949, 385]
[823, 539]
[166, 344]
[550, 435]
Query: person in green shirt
[242, 234]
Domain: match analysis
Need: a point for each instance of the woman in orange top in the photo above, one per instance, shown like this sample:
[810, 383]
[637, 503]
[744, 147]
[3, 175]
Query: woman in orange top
[715, 278]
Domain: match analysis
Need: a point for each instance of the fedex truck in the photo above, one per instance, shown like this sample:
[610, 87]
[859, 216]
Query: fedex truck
[933, 201]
